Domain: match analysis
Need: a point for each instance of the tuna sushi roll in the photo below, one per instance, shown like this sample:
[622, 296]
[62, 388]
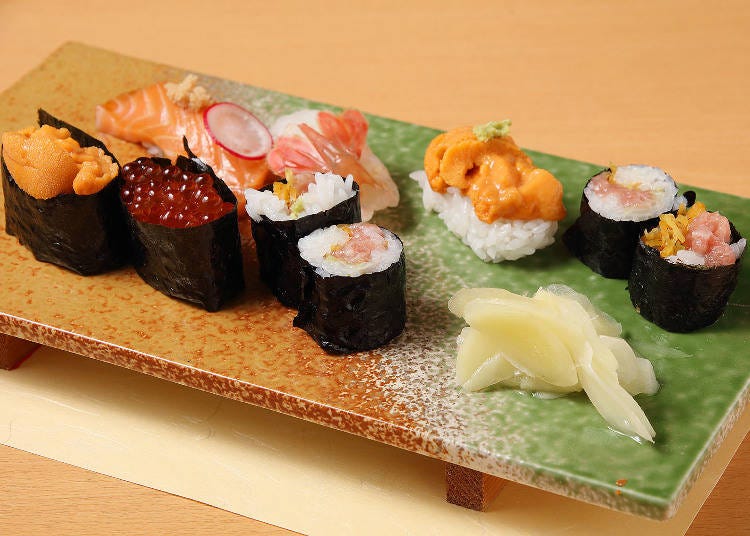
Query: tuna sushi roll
[686, 268]
[355, 287]
[60, 189]
[489, 193]
[617, 204]
[288, 210]
[184, 231]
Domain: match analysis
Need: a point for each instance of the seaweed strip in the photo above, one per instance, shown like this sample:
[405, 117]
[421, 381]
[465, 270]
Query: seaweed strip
[276, 245]
[678, 297]
[201, 264]
[83, 233]
[352, 314]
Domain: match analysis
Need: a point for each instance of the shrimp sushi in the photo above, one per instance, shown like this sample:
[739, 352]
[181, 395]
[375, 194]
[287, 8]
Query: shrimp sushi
[288, 210]
[686, 268]
[617, 204]
[184, 230]
[315, 140]
[61, 197]
[355, 287]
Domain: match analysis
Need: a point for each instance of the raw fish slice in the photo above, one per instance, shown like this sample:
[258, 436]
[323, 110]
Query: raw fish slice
[147, 116]
[310, 140]
[375, 195]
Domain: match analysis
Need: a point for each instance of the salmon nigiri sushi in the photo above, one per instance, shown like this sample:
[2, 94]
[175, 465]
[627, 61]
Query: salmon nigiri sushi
[159, 116]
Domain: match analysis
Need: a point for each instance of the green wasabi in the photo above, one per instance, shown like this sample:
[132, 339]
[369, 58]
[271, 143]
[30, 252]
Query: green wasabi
[493, 129]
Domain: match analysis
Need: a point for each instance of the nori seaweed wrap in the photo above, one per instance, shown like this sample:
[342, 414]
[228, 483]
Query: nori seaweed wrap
[276, 245]
[680, 297]
[200, 264]
[83, 233]
[607, 244]
[346, 314]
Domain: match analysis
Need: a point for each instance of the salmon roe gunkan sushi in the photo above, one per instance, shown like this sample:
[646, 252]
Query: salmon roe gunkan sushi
[169, 196]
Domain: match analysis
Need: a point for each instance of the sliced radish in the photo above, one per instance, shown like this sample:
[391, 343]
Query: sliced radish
[237, 130]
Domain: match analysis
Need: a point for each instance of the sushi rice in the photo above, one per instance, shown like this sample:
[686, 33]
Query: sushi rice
[327, 191]
[492, 242]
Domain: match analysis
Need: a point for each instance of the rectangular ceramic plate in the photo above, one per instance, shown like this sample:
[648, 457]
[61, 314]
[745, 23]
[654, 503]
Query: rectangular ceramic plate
[403, 394]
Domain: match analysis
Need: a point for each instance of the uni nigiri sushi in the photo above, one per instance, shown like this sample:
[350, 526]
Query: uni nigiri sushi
[489, 193]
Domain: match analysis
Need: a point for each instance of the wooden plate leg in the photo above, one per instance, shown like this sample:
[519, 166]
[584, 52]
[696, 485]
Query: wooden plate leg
[469, 488]
[14, 350]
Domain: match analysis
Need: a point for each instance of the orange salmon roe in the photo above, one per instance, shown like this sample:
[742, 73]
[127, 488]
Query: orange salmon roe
[169, 196]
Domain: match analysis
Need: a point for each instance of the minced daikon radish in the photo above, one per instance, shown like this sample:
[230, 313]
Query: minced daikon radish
[555, 342]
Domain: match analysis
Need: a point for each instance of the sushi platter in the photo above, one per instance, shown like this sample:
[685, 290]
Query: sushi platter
[403, 393]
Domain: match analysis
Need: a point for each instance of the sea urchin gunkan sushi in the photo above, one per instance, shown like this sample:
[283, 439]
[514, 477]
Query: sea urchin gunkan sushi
[60, 187]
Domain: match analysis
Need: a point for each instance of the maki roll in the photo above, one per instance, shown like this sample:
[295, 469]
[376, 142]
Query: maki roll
[288, 210]
[184, 231]
[685, 269]
[60, 187]
[355, 287]
[617, 204]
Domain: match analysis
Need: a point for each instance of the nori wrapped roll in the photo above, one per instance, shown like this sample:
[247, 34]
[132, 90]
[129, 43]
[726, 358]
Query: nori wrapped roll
[606, 242]
[83, 233]
[354, 312]
[276, 244]
[199, 263]
[680, 297]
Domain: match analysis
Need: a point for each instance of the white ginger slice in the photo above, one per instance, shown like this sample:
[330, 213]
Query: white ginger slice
[475, 351]
[603, 323]
[636, 374]
[610, 399]
[556, 342]
[522, 335]
[457, 303]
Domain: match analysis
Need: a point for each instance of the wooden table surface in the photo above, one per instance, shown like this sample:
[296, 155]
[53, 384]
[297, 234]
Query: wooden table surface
[663, 83]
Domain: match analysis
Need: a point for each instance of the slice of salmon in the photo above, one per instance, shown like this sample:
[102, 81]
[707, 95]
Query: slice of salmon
[147, 116]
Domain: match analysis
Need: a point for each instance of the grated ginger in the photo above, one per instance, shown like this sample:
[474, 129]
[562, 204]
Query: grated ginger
[188, 94]
[669, 236]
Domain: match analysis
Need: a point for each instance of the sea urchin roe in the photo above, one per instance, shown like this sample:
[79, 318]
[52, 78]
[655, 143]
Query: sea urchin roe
[169, 196]
[498, 177]
[46, 162]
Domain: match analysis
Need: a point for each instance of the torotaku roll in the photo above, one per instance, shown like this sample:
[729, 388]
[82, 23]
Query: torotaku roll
[289, 210]
[355, 289]
[60, 187]
[183, 224]
[686, 268]
[616, 206]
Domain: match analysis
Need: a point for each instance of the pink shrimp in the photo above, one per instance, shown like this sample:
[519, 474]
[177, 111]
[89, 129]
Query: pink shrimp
[337, 144]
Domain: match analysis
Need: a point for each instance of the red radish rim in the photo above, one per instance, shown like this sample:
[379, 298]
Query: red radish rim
[262, 129]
